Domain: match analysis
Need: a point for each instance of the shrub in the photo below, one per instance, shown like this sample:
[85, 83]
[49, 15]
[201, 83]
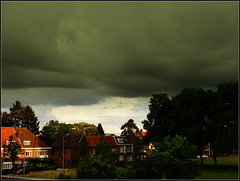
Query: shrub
[52, 168]
[169, 160]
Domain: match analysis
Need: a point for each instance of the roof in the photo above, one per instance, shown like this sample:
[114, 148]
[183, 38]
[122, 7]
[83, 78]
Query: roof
[70, 141]
[94, 140]
[5, 133]
[25, 134]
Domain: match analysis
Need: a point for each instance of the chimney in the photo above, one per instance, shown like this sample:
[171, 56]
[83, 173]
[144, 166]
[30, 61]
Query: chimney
[140, 130]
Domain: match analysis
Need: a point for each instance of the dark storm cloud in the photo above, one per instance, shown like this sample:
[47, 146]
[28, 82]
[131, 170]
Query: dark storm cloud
[126, 49]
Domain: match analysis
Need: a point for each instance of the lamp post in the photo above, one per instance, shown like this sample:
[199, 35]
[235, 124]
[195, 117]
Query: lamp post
[63, 154]
[133, 143]
[24, 152]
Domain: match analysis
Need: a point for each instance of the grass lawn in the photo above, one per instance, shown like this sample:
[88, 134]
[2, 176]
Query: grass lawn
[52, 174]
[227, 168]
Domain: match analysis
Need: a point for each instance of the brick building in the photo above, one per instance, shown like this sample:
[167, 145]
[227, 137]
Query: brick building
[31, 145]
[74, 149]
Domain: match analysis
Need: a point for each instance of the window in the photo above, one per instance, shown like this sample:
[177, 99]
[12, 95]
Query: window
[120, 140]
[7, 165]
[26, 142]
[72, 162]
[42, 153]
[128, 149]
[28, 153]
[94, 151]
[129, 158]
[121, 157]
[124, 149]
[121, 149]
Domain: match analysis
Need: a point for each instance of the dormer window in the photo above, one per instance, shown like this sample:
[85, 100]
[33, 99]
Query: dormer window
[120, 140]
[26, 142]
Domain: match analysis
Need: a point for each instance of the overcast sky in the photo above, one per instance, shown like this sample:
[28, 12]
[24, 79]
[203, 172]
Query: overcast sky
[100, 62]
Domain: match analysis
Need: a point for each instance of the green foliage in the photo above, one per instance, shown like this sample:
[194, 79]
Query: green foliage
[94, 167]
[101, 165]
[128, 128]
[203, 116]
[53, 129]
[168, 160]
[21, 116]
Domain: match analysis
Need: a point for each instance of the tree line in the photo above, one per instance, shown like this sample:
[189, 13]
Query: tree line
[201, 115]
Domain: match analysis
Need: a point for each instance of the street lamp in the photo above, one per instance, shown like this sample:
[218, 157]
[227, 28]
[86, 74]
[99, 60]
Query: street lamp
[24, 152]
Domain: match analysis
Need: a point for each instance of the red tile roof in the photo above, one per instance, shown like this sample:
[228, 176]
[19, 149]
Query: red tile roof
[5, 133]
[94, 140]
[34, 140]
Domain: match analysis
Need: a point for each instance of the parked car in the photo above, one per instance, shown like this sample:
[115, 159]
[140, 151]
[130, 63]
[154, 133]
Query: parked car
[204, 156]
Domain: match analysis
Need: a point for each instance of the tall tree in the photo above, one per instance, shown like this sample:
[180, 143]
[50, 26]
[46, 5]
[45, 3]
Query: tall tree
[17, 113]
[100, 129]
[11, 151]
[21, 116]
[158, 123]
[128, 128]
[6, 119]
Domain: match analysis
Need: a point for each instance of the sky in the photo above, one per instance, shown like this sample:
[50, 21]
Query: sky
[100, 62]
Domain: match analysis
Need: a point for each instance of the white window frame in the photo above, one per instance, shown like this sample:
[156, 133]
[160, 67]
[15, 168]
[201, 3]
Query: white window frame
[30, 153]
[42, 152]
[120, 140]
[7, 165]
[26, 142]
[124, 149]
[121, 149]
[121, 157]
[128, 149]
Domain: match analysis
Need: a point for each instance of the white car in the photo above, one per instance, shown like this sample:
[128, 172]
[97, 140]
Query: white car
[204, 156]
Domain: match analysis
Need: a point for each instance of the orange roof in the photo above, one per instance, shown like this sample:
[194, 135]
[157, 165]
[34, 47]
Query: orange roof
[34, 140]
[144, 133]
[94, 140]
[5, 133]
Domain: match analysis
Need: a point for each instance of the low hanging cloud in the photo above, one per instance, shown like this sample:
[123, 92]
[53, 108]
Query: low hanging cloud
[80, 53]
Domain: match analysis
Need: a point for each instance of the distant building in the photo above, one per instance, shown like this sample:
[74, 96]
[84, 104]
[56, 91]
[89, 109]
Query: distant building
[32, 145]
[69, 150]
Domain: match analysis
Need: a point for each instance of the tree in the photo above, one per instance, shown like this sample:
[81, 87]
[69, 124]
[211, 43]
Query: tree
[128, 128]
[7, 120]
[169, 159]
[17, 113]
[11, 150]
[50, 132]
[53, 129]
[100, 129]
[99, 166]
[159, 123]
[21, 116]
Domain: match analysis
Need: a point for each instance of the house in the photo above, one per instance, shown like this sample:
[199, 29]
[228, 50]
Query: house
[141, 134]
[74, 148]
[128, 146]
[32, 146]
[94, 140]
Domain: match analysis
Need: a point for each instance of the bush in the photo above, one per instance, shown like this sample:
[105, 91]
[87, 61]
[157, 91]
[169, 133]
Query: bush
[121, 164]
[64, 176]
[94, 168]
[51, 168]
[169, 160]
